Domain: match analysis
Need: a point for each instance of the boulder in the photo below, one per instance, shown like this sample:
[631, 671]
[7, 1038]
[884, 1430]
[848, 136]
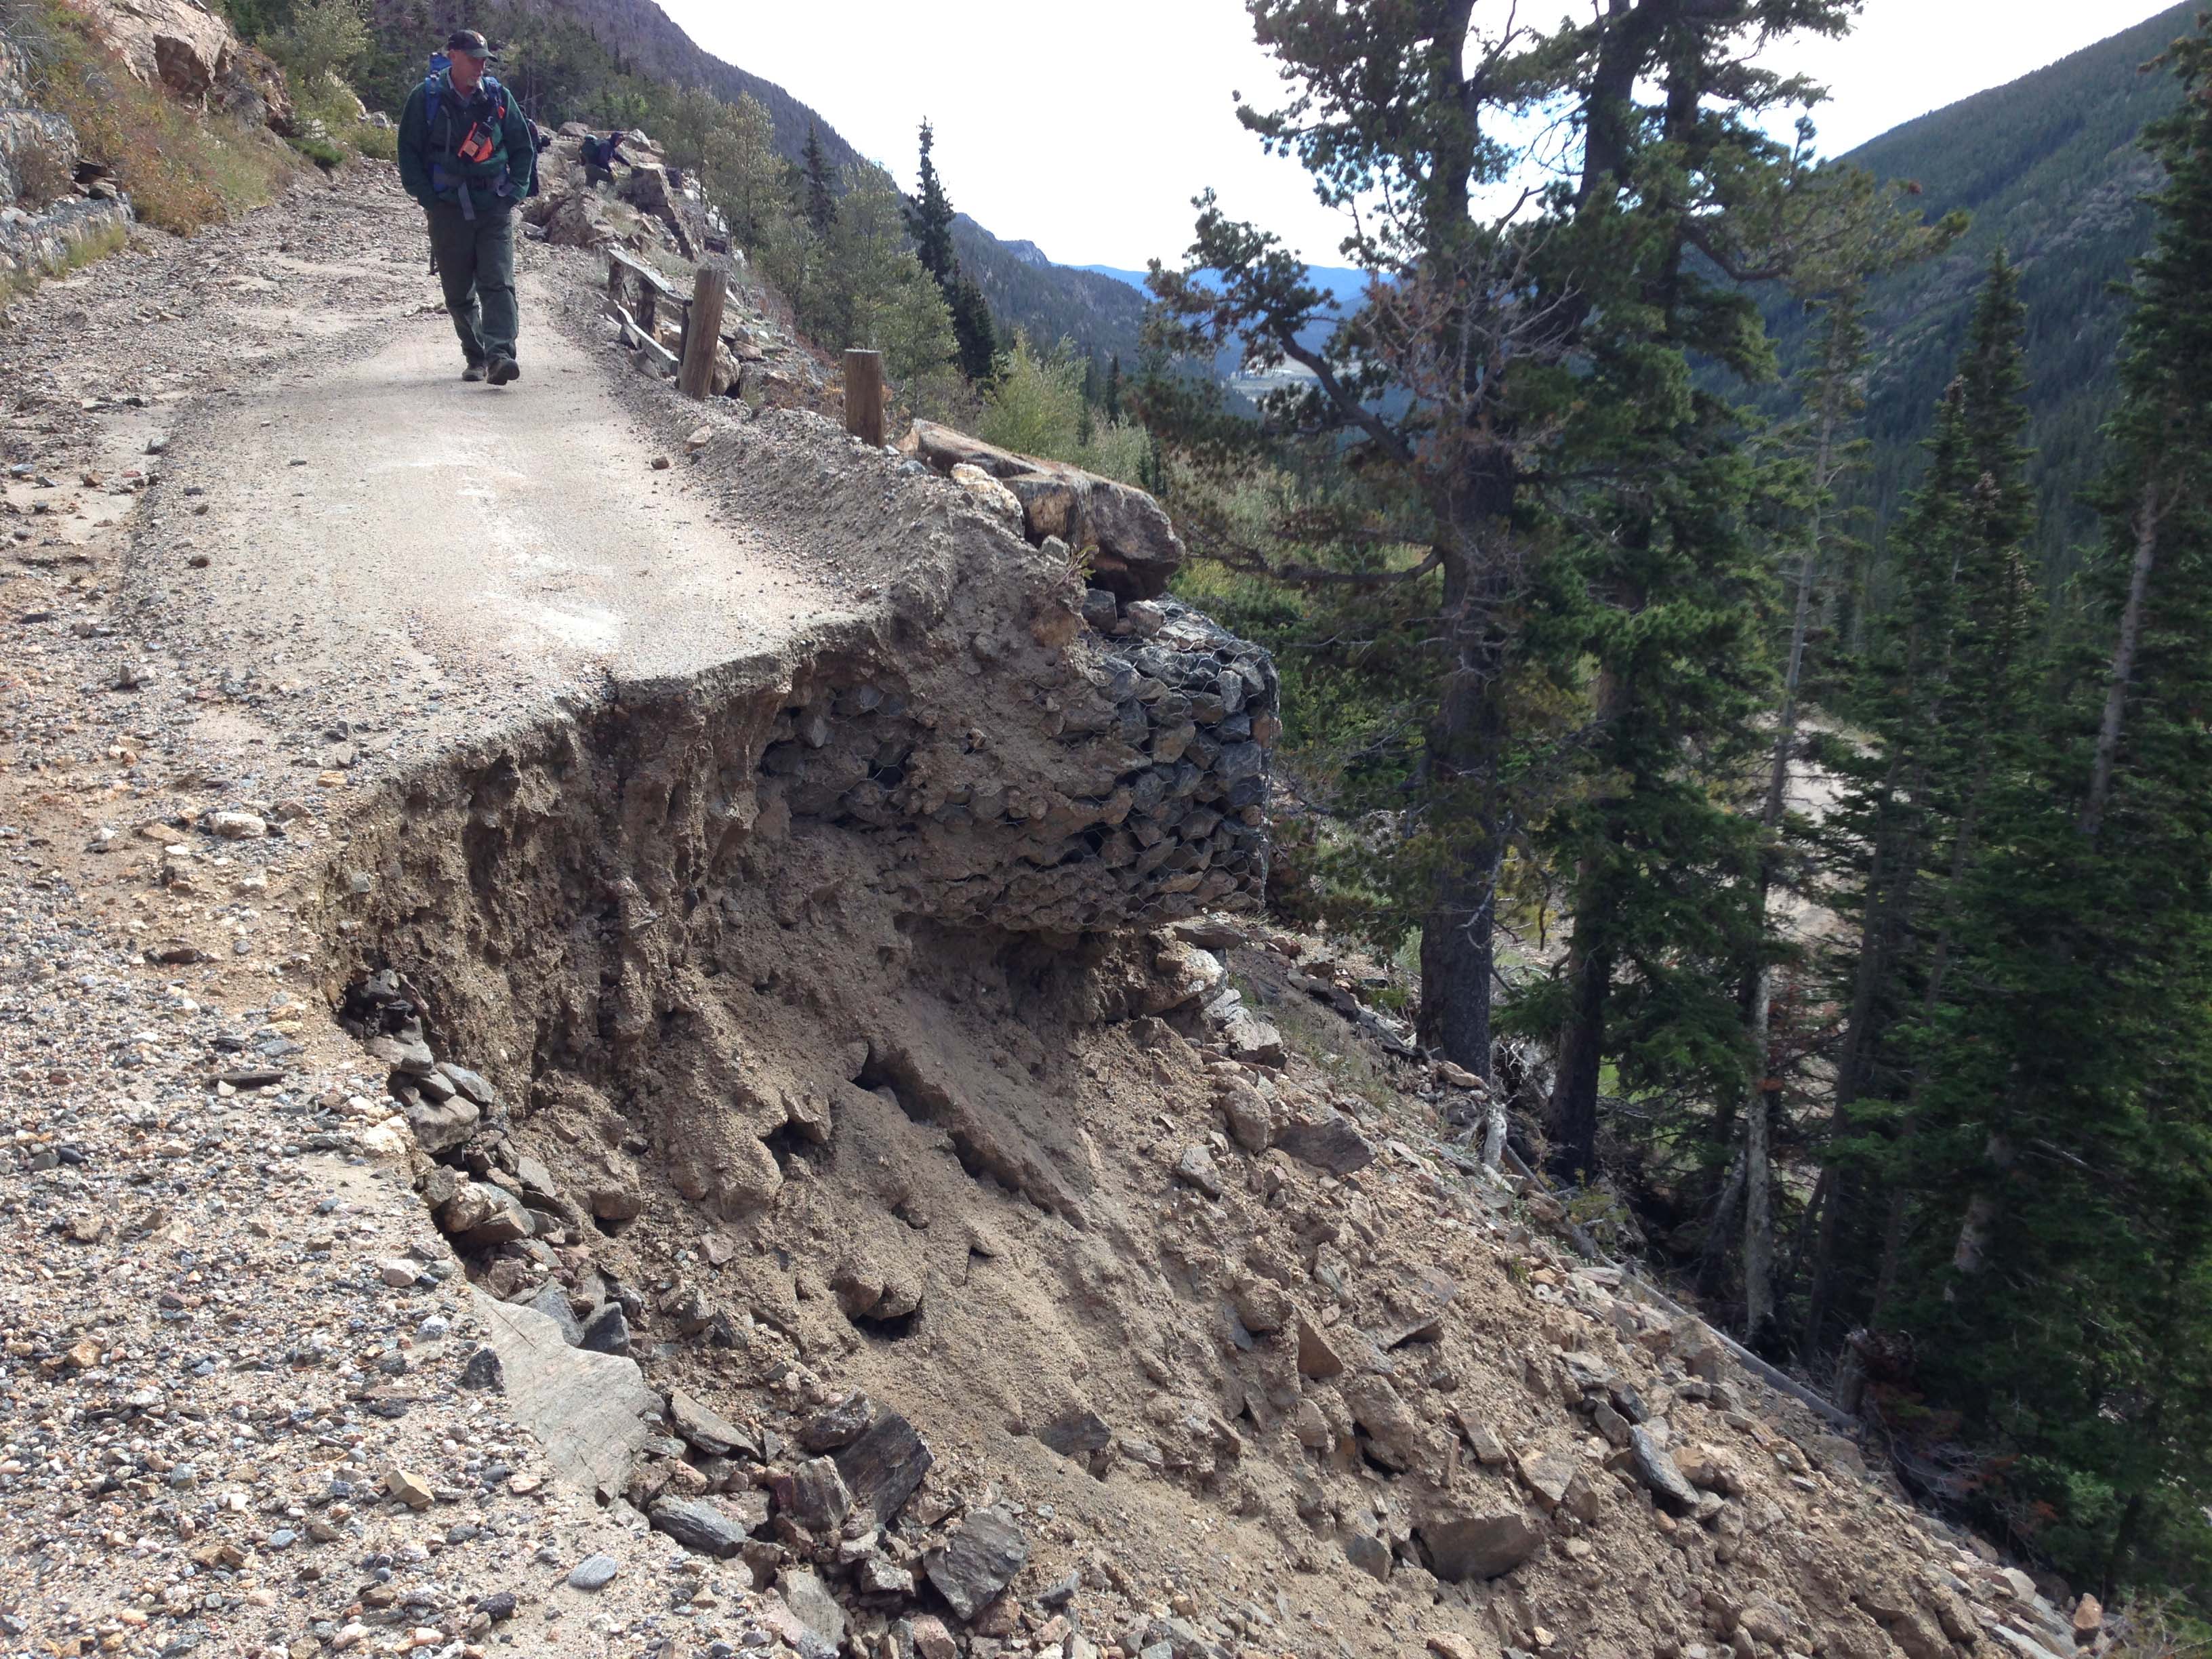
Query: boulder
[1318, 1358]
[482, 1214]
[1328, 1141]
[988, 493]
[443, 1126]
[1658, 1471]
[607, 1331]
[977, 1562]
[699, 1524]
[885, 1466]
[1133, 545]
[1252, 1040]
[1250, 1120]
[553, 1301]
[1482, 1543]
[1196, 1169]
[1394, 1439]
[706, 1429]
[188, 49]
[575, 219]
[591, 1411]
[811, 1604]
[840, 1425]
[814, 1495]
[1370, 1554]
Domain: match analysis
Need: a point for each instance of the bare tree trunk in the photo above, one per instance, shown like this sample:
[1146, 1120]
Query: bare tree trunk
[1758, 1194]
[1712, 1255]
[1581, 1048]
[1970, 1254]
[1464, 754]
[1757, 1211]
[2123, 663]
[1457, 957]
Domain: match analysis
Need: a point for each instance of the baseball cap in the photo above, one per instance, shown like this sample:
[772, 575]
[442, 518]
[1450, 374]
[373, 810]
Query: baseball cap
[471, 43]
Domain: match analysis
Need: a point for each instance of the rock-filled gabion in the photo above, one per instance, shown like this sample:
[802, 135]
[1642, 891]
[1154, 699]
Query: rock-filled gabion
[1165, 726]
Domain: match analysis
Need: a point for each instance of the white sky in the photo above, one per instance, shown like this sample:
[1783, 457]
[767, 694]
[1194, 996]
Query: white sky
[1086, 125]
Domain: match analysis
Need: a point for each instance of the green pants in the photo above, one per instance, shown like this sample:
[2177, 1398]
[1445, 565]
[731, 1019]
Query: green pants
[476, 263]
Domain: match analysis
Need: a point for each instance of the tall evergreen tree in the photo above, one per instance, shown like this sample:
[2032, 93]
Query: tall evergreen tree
[1457, 384]
[1872, 234]
[1947, 695]
[929, 216]
[1114, 387]
[818, 193]
[974, 331]
[929, 219]
[2060, 1275]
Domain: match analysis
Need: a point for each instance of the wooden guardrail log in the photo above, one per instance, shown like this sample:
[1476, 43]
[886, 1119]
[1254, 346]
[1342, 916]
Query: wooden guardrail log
[864, 396]
[702, 330]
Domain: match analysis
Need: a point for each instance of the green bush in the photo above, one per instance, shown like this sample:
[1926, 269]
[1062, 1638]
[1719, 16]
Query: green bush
[1035, 407]
[377, 143]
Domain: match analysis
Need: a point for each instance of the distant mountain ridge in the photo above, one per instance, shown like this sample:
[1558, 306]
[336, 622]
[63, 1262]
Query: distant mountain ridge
[2051, 168]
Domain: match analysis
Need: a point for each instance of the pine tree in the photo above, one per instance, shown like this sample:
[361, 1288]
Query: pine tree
[974, 330]
[929, 216]
[1113, 388]
[1872, 234]
[1947, 696]
[2060, 1275]
[819, 195]
[1402, 99]
[929, 220]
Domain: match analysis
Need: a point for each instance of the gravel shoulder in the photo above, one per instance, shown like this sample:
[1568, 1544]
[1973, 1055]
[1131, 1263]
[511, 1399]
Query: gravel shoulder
[210, 1386]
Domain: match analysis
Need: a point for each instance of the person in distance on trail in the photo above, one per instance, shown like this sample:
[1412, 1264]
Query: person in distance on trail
[468, 155]
[600, 155]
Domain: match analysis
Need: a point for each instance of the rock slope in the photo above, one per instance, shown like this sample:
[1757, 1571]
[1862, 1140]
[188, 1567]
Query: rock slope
[596, 1155]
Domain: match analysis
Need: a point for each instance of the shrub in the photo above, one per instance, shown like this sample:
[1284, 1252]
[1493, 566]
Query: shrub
[325, 38]
[1035, 407]
[377, 143]
[184, 170]
[42, 175]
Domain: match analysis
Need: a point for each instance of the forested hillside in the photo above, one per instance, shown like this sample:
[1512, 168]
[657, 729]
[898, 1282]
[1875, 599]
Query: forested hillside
[1854, 976]
[2050, 170]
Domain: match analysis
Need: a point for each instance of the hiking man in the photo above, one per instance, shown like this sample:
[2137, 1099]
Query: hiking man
[600, 155]
[467, 153]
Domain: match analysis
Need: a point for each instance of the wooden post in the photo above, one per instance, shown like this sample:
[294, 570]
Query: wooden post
[864, 396]
[702, 332]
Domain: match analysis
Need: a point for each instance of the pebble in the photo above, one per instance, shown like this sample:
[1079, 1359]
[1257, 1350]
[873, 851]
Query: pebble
[593, 1572]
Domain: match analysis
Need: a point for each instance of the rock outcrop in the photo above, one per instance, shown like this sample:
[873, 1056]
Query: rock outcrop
[44, 221]
[184, 47]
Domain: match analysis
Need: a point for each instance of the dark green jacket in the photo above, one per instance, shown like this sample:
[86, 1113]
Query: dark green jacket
[514, 159]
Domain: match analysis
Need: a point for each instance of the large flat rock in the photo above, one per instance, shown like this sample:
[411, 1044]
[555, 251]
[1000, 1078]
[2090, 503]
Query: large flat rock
[592, 1411]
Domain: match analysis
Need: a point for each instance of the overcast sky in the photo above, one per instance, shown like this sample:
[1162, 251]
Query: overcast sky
[1086, 125]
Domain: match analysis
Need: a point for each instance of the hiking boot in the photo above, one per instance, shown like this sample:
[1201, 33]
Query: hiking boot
[504, 369]
[473, 372]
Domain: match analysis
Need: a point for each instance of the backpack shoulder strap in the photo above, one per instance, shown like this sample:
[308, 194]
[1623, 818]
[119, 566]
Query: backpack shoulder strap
[431, 88]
